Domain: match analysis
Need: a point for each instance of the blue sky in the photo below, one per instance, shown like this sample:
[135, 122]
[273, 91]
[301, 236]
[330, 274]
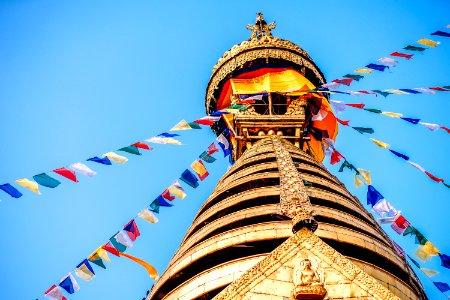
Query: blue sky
[78, 79]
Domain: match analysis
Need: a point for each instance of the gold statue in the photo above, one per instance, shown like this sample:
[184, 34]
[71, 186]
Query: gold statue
[308, 284]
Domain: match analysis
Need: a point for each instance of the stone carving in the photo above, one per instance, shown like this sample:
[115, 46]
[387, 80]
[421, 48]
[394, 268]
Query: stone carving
[308, 284]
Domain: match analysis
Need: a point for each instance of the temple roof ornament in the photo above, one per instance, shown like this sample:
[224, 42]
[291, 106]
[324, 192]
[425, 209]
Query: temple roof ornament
[261, 27]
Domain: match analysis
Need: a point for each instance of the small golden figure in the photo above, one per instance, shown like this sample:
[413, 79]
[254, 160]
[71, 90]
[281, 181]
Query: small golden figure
[308, 284]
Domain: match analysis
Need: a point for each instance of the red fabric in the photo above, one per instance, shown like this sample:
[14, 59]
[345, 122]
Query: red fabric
[69, 174]
[398, 54]
[346, 81]
[166, 195]
[434, 177]
[357, 105]
[142, 146]
[246, 101]
[401, 222]
[111, 249]
[436, 88]
[132, 230]
[366, 92]
[345, 123]
[446, 129]
[212, 148]
[335, 157]
[204, 122]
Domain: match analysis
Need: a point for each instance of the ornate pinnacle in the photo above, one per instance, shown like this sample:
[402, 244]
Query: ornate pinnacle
[261, 28]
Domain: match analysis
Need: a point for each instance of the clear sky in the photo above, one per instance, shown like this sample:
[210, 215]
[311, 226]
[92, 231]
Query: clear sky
[80, 78]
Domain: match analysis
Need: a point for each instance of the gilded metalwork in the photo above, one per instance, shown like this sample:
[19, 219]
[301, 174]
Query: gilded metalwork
[261, 27]
[307, 281]
[297, 107]
[294, 199]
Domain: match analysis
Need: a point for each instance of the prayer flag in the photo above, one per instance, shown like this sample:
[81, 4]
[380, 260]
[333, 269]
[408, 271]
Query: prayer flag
[445, 260]
[399, 154]
[103, 161]
[85, 271]
[182, 125]
[189, 178]
[428, 42]
[398, 249]
[384, 207]
[389, 219]
[130, 149]
[177, 190]
[387, 61]
[425, 252]
[69, 174]
[376, 67]
[45, 180]
[31, 185]
[353, 93]
[365, 174]
[69, 283]
[357, 105]
[346, 164]
[380, 143]
[110, 248]
[446, 129]
[116, 245]
[432, 127]
[414, 48]
[354, 77]
[154, 206]
[429, 273]
[54, 293]
[373, 110]
[420, 239]
[82, 168]
[428, 91]
[342, 122]
[441, 33]
[149, 268]
[116, 157]
[166, 195]
[383, 93]
[206, 157]
[168, 135]
[419, 167]
[212, 148]
[98, 256]
[98, 262]
[142, 146]
[436, 88]
[363, 130]
[400, 224]
[414, 121]
[218, 113]
[437, 179]
[410, 91]
[194, 125]
[358, 181]
[338, 106]
[161, 140]
[399, 54]
[373, 196]
[10, 190]
[363, 71]
[224, 144]
[132, 230]
[391, 114]
[442, 286]
[162, 202]
[331, 85]
[346, 81]
[149, 216]
[123, 238]
[413, 261]
[398, 92]
[335, 157]
[208, 120]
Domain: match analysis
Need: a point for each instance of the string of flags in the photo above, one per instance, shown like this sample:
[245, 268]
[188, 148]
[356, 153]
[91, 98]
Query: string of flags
[386, 62]
[124, 238]
[388, 214]
[385, 93]
[340, 106]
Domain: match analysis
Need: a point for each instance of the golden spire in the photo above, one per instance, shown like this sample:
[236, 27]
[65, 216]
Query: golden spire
[261, 27]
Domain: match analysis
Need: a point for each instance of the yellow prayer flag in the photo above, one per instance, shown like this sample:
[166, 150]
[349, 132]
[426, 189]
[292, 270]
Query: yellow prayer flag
[231, 110]
[99, 253]
[366, 175]
[364, 71]
[149, 216]
[380, 143]
[31, 185]
[358, 181]
[428, 42]
[84, 273]
[398, 92]
[182, 125]
[425, 252]
[429, 273]
[116, 157]
[172, 141]
[392, 114]
[177, 192]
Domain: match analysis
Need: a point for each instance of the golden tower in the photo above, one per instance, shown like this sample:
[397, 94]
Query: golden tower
[278, 225]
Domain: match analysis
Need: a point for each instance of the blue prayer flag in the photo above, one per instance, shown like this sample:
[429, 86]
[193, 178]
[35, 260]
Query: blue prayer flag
[45, 180]
[445, 260]
[189, 178]
[67, 284]
[441, 33]
[224, 144]
[168, 135]
[104, 160]
[218, 113]
[162, 202]
[382, 93]
[10, 190]
[87, 264]
[414, 121]
[376, 67]
[399, 154]
[154, 206]
[373, 196]
[410, 91]
[442, 286]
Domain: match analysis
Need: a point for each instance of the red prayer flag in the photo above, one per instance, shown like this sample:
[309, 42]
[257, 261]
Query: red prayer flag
[166, 195]
[398, 54]
[212, 148]
[69, 174]
[446, 129]
[132, 230]
[366, 92]
[345, 123]
[400, 224]
[357, 105]
[434, 177]
[111, 249]
[246, 101]
[142, 146]
[207, 122]
[335, 157]
[436, 88]
[346, 81]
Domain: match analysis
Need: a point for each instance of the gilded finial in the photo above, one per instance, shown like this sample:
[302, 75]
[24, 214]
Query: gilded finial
[261, 28]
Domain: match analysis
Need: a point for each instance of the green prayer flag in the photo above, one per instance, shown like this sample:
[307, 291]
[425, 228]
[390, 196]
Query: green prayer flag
[98, 262]
[235, 106]
[414, 48]
[154, 206]
[346, 164]
[446, 185]
[131, 149]
[194, 125]
[447, 87]
[120, 247]
[354, 77]
[377, 111]
[363, 129]
[206, 157]
[385, 94]
[45, 180]
[420, 238]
